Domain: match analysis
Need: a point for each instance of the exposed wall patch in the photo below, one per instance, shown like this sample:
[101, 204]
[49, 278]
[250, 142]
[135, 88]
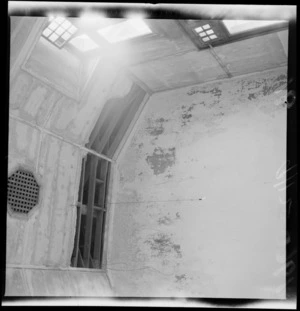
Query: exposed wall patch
[161, 159]
[156, 128]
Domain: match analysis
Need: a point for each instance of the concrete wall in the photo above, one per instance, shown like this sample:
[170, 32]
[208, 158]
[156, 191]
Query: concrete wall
[42, 128]
[46, 126]
[195, 210]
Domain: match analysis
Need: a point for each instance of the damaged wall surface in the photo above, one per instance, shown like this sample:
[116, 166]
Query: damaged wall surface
[196, 210]
[193, 208]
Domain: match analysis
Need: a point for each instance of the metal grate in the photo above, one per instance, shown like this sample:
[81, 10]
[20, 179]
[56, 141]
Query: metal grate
[23, 191]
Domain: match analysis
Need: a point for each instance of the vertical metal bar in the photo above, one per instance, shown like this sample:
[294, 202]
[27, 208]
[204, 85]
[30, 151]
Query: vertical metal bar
[89, 215]
[103, 177]
[81, 187]
[77, 235]
[78, 222]
[99, 223]
[107, 177]
[97, 188]
[98, 233]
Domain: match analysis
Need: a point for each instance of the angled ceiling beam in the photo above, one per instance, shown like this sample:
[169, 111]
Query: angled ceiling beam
[136, 80]
[222, 65]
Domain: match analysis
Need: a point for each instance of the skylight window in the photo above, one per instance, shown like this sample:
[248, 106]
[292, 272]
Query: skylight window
[206, 33]
[59, 31]
[207, 26]
[238, 26]
[125, 30]
[199, 29]
[84, 43]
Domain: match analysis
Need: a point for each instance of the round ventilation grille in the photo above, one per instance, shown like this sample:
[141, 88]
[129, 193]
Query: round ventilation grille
[23, 191]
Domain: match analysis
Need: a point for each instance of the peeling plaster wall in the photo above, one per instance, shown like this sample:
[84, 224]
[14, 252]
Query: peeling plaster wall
[45, 239]
[195, 209]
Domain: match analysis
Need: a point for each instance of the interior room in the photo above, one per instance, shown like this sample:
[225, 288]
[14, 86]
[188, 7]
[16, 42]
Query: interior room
[144, 156]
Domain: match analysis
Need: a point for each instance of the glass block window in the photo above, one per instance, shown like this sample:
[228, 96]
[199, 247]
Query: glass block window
[206, 33]
[59, 31]
[23, 191]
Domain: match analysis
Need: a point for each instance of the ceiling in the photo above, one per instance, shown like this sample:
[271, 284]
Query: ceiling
[173, 57]
[193, 67]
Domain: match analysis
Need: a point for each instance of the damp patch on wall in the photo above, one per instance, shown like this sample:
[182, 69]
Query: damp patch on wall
[263, 87]
[180, 278]
[162, 244]
[186, 114]
[161, 159]
[215, 91]
[156, 127]
[168, 219]
[164, 220]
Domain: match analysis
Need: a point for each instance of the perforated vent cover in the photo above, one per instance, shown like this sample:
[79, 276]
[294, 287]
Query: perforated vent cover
[23, 191]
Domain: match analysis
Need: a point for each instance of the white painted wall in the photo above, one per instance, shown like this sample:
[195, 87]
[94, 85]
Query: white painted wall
[43, 144]
[43, 125]
[196, 212]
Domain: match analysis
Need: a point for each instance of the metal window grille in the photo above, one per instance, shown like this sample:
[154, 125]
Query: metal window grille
[91, 213]
[23, 191]
[109, 130]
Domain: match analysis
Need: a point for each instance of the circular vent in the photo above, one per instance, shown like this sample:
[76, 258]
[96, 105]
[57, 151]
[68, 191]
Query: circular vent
[23, 191]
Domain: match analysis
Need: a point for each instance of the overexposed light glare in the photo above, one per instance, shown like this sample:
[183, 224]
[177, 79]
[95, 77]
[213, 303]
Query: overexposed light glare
[89, 19]
[128, 29]
[198, 29]
[84, 43]
[237, 26]
[135, 15]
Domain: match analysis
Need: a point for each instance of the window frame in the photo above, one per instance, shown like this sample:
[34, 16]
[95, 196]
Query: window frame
[224, 36]
[113, 123]
[93, 241]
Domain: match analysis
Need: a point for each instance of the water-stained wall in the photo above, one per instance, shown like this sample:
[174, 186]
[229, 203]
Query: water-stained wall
[196, 209]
